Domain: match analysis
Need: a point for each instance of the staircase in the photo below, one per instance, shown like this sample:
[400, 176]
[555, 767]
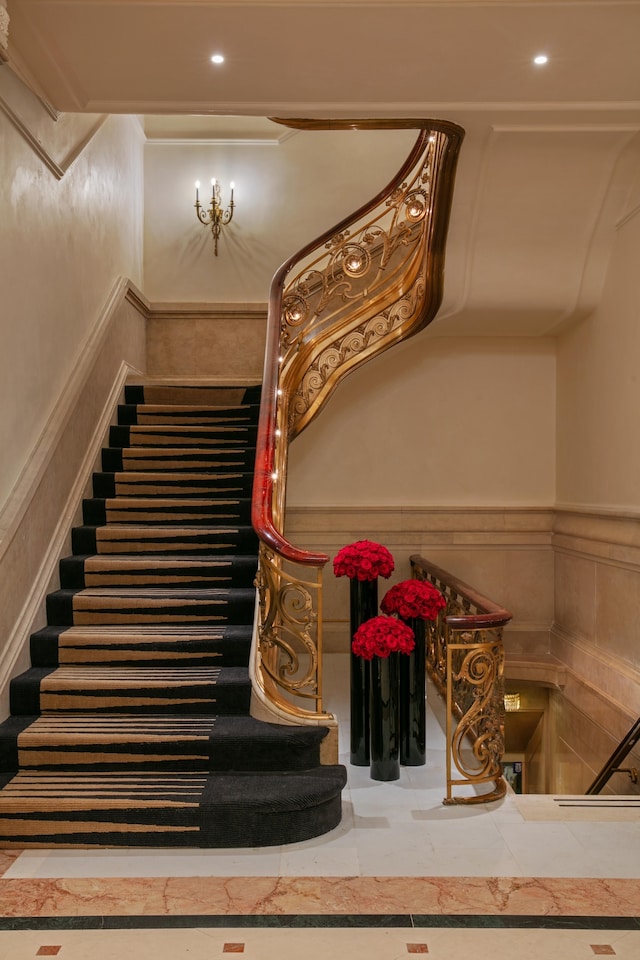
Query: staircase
[132, 727]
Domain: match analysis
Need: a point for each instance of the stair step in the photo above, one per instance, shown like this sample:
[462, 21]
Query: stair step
[187, 541]
[131, 605]
[162, 511]
[150, 413]
[166, 484]
[208, 435]
[132, 727]
[199, 394]
[155, 742]
[115, 459]
[239, 809]
[125, 689]
[77, 572]
[158, 645]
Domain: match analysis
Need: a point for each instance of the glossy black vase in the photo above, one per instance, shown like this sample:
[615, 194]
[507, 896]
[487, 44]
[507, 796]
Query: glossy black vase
[385, 717]
[364, 606]
[413, 733]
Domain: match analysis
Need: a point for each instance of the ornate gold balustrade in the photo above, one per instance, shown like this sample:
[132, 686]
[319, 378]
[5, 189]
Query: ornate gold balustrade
[465, 659]
[373, 280]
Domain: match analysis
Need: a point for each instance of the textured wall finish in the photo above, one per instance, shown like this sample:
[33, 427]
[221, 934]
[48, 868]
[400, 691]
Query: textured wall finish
[4, 24]
[598, 383]
[223, 341]
[36, 521]
[285, 195]
[63, 244]
[436, 421]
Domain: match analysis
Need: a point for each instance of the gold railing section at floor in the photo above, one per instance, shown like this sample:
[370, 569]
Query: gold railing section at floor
[465, 660]
[291, 634]
[374, 279]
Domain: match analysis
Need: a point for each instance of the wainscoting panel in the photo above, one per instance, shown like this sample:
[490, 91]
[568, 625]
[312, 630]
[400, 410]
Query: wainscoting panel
[504, 553]
[596, 633]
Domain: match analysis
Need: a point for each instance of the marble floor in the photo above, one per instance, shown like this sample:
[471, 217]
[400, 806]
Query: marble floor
[403, 874]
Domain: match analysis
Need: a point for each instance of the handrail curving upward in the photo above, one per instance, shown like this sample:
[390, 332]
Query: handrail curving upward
[374, 279]
[268, 438]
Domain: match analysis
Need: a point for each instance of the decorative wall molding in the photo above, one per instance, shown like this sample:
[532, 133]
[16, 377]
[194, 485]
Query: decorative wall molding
[210, 142]
[503, 552]
[415, 526]
[34, 528]
[36, 466]
[13, 95]
[205, 342]
[213, 311]
[628, 217]
[605, 536]
[4, 25]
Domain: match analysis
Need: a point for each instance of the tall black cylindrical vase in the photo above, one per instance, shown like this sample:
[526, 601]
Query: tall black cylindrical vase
[413, 733]
[364, 606]
[385, 717]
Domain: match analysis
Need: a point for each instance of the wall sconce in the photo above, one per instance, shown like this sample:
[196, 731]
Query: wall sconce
[511, 702]
[214, 217]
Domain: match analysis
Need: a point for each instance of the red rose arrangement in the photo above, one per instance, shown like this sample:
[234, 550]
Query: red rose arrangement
[381, 636]
[413, 598]
[363, 560]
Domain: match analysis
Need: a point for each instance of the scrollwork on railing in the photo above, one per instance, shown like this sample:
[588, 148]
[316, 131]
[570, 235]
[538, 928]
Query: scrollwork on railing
[289, 628]
[370, 283]
[374, 279]
[465, 659]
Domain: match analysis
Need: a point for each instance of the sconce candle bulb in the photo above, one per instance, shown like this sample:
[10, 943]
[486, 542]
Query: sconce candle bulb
[215, 217]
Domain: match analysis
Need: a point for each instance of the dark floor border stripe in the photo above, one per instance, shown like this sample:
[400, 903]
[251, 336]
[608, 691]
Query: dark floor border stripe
[310, 920]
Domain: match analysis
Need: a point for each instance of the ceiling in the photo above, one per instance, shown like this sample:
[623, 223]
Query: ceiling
[551, 156]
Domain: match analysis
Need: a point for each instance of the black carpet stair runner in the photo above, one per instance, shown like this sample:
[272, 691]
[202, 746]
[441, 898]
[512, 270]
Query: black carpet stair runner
[132, 727]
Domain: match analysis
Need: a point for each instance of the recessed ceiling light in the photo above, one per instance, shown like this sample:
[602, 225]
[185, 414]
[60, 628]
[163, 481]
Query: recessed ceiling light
[217, 58]
[541, 59]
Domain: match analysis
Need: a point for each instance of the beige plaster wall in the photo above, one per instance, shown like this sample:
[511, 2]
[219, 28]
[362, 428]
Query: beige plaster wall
[599, 386]
[285, 195]
[70, 229]
[63, 243]
[37, 520]
[437, 422]
[597, 524]
[221, 341]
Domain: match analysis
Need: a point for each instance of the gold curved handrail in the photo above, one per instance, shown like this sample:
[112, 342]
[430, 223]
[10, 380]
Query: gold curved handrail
[374, 279]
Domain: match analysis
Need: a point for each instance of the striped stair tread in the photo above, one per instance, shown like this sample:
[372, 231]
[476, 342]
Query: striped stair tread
[189, 541]
[150, 605]
[144, 483]
[126, 689]
[165, 810]
[159, 645]
[112, 570]
[161, 742]
[115, 459]
[149, 413]
[132, 727]
[188, 395]
[161, 511]
[199, 435]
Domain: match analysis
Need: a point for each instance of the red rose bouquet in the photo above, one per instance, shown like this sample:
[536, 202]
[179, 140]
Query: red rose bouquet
[413, 598]
[380, 636]
[363, 560]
